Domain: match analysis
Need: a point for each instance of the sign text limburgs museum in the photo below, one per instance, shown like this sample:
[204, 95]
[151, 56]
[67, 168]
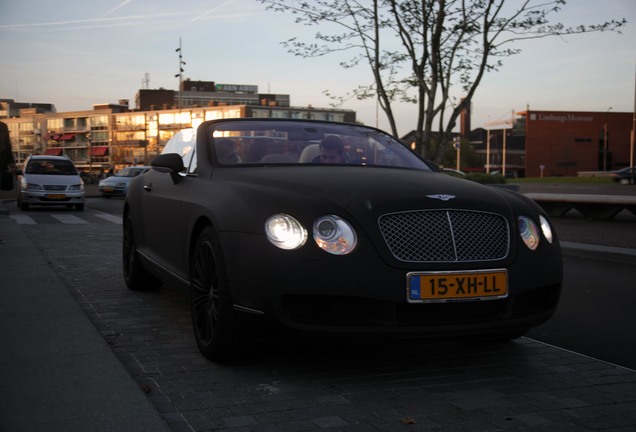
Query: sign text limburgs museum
[561, 118]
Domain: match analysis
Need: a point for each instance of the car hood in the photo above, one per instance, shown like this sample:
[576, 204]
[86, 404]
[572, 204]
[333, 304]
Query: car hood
[364, 192]
[55, 179]
[114, 180]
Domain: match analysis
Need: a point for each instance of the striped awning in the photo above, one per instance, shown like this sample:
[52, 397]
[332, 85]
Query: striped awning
[99, 150]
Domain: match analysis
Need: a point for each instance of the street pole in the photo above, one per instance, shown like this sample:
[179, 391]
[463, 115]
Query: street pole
[605, 140]
[503, 156]
[631, 144]
[488, 152]
[180, 74]
[458, 147]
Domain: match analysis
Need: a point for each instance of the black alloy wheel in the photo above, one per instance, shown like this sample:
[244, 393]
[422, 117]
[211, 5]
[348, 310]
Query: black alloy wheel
[215, 329]
[135, 275]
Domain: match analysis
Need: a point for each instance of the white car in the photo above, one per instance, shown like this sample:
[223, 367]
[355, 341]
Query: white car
[117, 185]
[50, 180]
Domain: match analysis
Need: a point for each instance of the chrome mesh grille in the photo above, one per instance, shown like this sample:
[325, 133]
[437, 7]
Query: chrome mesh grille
[445, 235]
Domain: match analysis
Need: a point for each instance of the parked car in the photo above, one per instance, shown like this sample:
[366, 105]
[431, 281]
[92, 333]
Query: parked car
[329, 228]
[117, 185]
[624, 175]
[50, 181]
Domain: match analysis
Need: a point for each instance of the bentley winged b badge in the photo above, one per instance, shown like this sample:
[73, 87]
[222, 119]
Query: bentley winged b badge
[441, 197]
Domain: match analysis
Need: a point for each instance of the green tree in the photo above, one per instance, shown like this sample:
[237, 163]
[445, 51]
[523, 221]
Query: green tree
[469, 158]
[418, 50]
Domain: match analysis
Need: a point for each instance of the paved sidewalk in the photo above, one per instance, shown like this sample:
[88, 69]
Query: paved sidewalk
[57, 373]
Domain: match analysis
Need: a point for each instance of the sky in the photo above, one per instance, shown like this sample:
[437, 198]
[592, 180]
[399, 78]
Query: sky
[76, 53]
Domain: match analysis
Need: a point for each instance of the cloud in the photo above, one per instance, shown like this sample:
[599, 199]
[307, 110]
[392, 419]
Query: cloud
[180, 17]
[119, 6]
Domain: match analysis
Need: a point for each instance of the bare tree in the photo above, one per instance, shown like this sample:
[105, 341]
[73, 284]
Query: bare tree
[418, 50]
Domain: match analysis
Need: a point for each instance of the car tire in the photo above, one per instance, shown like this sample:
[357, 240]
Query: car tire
[213, 318]
[23, 206]
[137, 278]
[79, 207]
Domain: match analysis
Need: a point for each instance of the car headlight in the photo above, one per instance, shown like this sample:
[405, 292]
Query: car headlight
[285, 232]
[77, 187]
[33, 187]
[545, 228]
[334, 235]
[529, 232]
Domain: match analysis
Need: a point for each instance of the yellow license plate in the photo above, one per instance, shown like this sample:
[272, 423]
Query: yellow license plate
[475, 285]
[56, 196]
[108, 189]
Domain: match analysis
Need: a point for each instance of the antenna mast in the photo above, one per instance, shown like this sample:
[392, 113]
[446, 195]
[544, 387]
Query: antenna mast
[180, 74]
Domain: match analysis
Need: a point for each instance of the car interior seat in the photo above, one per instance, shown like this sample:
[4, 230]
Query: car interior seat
[311, 152]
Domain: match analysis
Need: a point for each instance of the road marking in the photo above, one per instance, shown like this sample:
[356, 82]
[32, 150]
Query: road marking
[23, 219]
[69, 219]
[109, 217]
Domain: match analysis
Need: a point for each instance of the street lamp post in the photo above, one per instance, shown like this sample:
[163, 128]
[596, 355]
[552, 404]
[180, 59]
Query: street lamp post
[605, 140]
[488, 152]
[457, 145]
[633, 136]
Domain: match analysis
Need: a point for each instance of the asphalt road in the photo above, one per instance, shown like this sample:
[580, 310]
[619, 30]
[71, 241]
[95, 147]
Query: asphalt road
[596, 313]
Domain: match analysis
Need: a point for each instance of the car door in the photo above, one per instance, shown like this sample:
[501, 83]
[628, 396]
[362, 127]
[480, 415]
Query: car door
[163, 221]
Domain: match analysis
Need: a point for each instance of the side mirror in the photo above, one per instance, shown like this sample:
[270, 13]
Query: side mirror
[170, 163]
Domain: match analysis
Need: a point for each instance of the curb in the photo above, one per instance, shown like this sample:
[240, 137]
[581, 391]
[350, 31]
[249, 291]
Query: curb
[592, 248]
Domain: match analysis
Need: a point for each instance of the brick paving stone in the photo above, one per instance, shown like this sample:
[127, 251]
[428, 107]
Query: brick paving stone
[522, 385]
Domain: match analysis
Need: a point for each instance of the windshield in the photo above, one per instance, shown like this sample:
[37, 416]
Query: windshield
[258, 142]
[50, 167]
[130, 172]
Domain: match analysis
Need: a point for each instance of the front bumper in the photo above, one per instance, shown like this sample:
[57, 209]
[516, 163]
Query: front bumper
[52, 198]
[112, 190]
[309, 290]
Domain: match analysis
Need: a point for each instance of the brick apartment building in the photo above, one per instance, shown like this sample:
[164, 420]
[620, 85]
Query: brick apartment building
[531, 144]
[115, 136]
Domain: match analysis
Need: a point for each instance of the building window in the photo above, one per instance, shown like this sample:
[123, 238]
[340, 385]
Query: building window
[99, 121]
[166, 119]
[25, 128]
[183, 118]
[260, 113]
[99, 136]
[55, 124]
[213, 114]
[280, 114]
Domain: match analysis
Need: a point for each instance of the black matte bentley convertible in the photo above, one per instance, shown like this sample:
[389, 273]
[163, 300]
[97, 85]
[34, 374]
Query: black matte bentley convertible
[331, 228]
